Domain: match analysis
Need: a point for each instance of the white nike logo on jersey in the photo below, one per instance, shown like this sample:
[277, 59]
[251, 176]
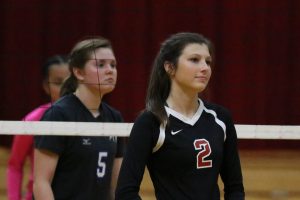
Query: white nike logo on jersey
[175, 132]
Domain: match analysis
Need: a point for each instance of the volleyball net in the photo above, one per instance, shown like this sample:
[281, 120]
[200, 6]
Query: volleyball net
[282, 132]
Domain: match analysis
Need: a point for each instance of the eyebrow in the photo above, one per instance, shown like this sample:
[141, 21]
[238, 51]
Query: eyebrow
[196, 54]
[102, 59]
[97, 61]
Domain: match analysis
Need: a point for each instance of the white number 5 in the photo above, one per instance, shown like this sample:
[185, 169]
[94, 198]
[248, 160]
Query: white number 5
[101, 165]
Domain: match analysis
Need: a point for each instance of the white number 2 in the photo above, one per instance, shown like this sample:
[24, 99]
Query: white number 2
[205, 150]
[101, 164]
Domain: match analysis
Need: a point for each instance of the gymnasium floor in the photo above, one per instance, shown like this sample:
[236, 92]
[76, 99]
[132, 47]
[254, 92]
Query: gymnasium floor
[268, 174]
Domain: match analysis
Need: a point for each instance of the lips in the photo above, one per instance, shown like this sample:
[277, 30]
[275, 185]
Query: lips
[201, 78]
[110, 81]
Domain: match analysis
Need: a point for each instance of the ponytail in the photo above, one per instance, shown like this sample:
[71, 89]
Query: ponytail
[69, 86]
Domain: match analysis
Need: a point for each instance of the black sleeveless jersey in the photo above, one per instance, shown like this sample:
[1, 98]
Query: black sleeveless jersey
[184, 158]
[85, 163]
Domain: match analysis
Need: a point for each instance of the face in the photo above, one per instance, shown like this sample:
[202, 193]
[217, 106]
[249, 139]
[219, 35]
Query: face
[57, 74]
[193, 68]
[100, 72]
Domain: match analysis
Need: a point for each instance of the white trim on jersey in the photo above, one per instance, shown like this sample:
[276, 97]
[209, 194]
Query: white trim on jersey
[218, 121]
[191, 121]
[161, 138]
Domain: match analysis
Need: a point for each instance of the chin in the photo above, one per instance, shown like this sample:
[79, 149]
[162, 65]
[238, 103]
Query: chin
[107, 89]
[201, 88]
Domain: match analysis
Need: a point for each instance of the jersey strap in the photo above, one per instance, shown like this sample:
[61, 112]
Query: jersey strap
[217, 120]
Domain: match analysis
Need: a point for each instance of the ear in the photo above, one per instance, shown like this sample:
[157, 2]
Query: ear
[78, 73]
[169, 67]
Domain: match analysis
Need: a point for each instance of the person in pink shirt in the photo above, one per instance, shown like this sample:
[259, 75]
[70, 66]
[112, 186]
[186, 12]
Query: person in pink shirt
[55, 71]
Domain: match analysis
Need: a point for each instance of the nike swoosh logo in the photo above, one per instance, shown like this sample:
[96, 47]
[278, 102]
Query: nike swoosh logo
[175, 132]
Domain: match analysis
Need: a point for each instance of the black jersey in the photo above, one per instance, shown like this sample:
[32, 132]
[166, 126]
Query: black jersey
[85, 163]
[184, 158]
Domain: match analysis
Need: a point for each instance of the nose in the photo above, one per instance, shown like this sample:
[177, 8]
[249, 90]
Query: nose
[108, 68]
[204, 65]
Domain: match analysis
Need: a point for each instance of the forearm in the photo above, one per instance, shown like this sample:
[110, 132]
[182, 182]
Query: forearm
[20, 150]
[114, 177]
[232, 172]
[130, 178]
[14, 183]
[138, 152]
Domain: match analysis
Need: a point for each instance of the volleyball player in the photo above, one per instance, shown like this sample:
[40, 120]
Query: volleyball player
[185, 142]
[81, 167]
[55, 70]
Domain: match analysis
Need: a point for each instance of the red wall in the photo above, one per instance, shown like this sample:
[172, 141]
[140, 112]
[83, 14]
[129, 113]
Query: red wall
[256, 41]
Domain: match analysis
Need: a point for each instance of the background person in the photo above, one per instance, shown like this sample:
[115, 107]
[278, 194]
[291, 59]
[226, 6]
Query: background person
[55, 70]
[81, 167]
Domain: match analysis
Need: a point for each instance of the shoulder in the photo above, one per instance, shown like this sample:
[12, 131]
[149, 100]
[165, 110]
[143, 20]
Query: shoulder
[114, 113]
[223, 118]
[109, 108]
[60, 108]
[66, 101]
[145, 130]
[37, 113]
[147, 119]
[221, 111]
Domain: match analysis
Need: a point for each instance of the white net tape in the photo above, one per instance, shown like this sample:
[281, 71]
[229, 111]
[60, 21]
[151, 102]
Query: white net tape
[123, 129]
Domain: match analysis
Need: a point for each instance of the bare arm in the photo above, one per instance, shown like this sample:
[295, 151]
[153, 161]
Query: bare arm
[44, 168]
[114, 176]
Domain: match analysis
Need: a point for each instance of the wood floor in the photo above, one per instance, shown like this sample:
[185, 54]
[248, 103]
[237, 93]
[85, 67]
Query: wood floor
[268, 174]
